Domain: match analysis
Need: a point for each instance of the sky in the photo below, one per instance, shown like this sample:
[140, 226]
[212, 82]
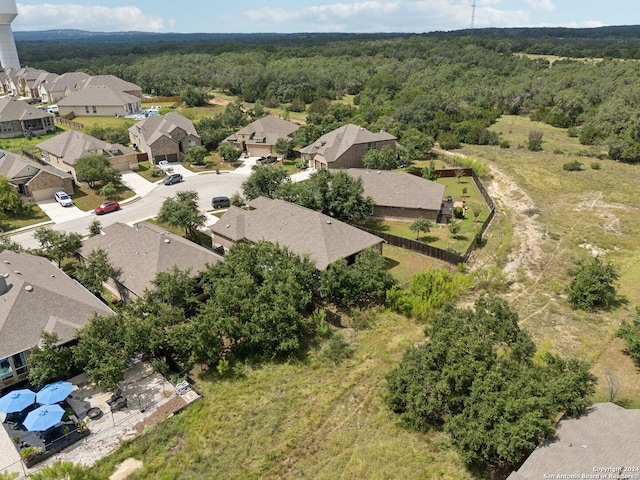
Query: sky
[291, 16]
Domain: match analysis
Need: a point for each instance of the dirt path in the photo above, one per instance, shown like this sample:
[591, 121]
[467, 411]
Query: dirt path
[527, 252]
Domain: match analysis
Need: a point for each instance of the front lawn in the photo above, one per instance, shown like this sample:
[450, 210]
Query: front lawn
[33, 218]
[87, 198]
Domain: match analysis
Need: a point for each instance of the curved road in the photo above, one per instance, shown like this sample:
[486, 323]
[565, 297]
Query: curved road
[207, 185]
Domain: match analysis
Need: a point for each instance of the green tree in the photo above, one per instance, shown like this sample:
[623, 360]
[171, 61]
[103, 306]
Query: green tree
[283, 147]
[97, 168]
[535, 141]
[228, 152]
[429, 172]
[420, 225]
[385, 158]
[118, 134]
[182, 211]
[95, 271]
[196, 155]
[49, 361]
[338, 195]
[476, 376]
[263, 182]
[193, 97]
[109, 190]
[237, 200]
[259, 298]
[454, 227]
[95, 228]
[630, 333]
[593, 285]
[364, 283]
[102, 351]
[10, 203]
[57, 244]
[414, 144]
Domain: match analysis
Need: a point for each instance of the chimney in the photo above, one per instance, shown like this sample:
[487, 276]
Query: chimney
[3, 285]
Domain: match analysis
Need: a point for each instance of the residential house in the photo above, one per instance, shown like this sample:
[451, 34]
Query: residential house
[601, 444]
[301, 230]
[37, 296]
[17, 82]
[37, 181]
[111, 81]
[31, 83]
[142, 251]
[345, 147]
[99, 101]
[18, 118]
[64, 150]
[401, 195]
[164, 137]
[52, 91]
[259, 138]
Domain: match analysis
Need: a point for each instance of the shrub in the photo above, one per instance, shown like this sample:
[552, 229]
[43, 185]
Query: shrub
[448, 141]
[572, 132]
[574, 166]
[596, 166]
[535, 141]
[505, 144]
[593, 285]
[458, 212]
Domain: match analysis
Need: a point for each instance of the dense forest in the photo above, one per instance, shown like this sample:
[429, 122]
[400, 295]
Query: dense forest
[449, 86]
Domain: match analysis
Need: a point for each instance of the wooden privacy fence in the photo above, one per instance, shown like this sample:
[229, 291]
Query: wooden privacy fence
[429, 250]
[159, 99]
[68, 123]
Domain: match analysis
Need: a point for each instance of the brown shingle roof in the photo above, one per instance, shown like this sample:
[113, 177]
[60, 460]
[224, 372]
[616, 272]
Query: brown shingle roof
[302, 230]
[54, 303]
[12, 109]
[141, 252]
[334, 144]
[98, 95]
[156, 126]
[11, 164]
[608, 436]
[266, 130]
[72, 145]
[399, 189]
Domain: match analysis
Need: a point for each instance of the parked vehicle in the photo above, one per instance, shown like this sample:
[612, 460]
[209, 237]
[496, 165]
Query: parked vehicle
[63, 199]
[53, 109]
[173, 178]
[165, 166]
[107, 207]
[267, 159]
[220, 202]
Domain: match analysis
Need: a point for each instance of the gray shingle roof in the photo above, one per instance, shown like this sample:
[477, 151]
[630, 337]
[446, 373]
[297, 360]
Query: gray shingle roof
[98, 95]
[302, 230]
[54, 303]
[72, 145]
[399, 189]
[608, 436]
[110, 81]
[156, 126]
[11, 164]
[12, 109]
[335, 143]
[266, 130]
[67, 80]
[141, 252]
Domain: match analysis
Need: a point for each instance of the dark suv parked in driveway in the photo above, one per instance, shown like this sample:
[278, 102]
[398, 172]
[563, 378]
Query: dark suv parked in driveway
[267, 159]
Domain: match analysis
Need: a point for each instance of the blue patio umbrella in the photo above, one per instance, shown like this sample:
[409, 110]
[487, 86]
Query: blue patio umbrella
[54, 393]
[43, 418]
[17, 400]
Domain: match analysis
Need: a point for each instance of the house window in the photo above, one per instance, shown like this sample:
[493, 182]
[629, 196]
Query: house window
[5, 127]
[86, 109]
[371, 145]
[5, 369]
[20, 363]
[95, 110]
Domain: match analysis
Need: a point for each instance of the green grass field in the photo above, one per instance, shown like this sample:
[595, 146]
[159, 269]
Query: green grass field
[86, 198]
[36, 216]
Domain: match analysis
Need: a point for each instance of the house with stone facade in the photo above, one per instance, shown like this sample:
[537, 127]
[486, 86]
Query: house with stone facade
[64, 150]
[33, 180]
[164, 137]
[37, 296]
[259, 137]
[18, 118]
[345, 147]
[400, 195]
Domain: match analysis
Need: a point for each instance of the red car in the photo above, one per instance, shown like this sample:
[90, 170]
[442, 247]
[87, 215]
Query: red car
[107, 207]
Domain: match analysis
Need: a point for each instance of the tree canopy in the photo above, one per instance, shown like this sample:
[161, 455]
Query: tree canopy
[478, 378]
[593, 285]
[182, 211]
[97, 168]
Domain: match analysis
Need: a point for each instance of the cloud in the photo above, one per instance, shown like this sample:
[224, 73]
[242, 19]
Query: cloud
[93, 18]
[542, 5]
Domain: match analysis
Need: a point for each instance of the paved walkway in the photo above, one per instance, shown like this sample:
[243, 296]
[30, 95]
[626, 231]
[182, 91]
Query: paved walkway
[10, 461]
[304, 175]
[247, 166]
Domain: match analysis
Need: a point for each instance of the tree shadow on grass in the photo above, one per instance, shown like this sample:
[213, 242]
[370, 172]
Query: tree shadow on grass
[390, 263]
[427, 239]
[376, 225]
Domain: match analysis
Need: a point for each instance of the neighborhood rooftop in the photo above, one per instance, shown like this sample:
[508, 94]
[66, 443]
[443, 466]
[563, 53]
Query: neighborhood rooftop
[72, 145]
[37, 296]
[142, 251]
[301, 230]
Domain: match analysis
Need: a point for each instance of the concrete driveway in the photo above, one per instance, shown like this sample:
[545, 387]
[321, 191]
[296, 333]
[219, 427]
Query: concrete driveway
[246, 167]
[138, 184]
[58, 213]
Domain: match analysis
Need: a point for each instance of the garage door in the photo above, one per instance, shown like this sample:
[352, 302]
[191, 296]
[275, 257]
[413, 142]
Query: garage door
[158, 158]
[255, 151]
[172, 157]
[44, 194]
